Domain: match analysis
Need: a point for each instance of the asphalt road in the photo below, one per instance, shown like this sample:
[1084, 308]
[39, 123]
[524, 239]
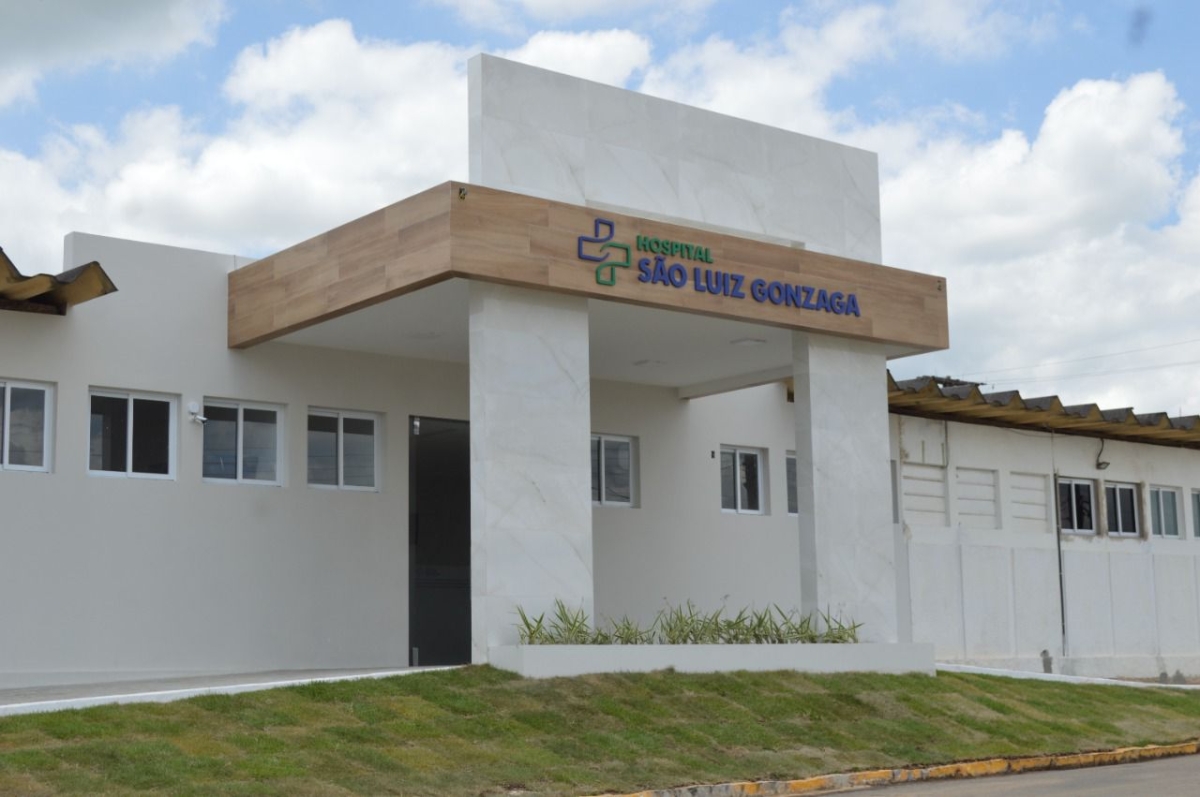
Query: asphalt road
[1171, 777]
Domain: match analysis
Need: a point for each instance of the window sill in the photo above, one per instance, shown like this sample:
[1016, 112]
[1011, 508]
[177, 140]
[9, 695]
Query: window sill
[334, 488]
[153, 477]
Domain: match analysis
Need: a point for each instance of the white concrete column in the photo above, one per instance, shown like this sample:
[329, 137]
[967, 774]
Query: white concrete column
[531, 507]
[847, 552]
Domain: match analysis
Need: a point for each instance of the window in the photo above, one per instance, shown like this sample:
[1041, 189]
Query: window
[241, 442]
[132, 434]
[342, 449]
[1075, 505]
[1121, 502]
[741, 480]
[1196, 512]
[793, 502]
[1164, 511]
[612, 470]
[25, 423]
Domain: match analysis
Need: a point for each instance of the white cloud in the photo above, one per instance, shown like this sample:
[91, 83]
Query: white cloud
[1058, 243]
[1106, 155]
[958, 29]
[608, 56]
[779, 81]
[39, 37]
[1053, 250]
[328, 126]
[511, 15]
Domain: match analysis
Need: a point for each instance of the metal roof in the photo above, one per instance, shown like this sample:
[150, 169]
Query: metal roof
[51, 293]
[957, 400]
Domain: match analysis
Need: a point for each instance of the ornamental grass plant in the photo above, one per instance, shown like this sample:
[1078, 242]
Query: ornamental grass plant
[684, 624]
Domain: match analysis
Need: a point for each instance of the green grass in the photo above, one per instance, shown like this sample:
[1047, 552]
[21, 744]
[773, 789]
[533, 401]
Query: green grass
[479, 731]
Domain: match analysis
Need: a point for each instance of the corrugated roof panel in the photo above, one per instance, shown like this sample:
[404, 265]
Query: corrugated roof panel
[955, 400]
[52, 293]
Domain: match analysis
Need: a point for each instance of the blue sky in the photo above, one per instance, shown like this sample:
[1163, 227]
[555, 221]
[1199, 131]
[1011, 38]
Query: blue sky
[1041, 155]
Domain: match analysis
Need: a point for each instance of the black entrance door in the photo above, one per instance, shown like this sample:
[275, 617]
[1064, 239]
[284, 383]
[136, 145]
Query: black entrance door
[439, 542]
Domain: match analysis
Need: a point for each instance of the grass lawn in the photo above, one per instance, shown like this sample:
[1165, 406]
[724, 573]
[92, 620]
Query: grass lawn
[479, 731]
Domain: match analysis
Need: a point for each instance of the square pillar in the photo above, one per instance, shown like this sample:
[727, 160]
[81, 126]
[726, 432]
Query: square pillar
[843, 483]
[531, 502]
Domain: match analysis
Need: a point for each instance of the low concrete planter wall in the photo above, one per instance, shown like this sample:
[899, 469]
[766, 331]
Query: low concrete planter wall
[550, 661]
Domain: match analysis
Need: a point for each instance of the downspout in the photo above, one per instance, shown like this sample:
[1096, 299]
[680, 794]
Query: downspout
[1062, 582]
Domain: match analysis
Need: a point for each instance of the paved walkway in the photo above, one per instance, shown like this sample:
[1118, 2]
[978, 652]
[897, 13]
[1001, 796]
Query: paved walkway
[32, 699]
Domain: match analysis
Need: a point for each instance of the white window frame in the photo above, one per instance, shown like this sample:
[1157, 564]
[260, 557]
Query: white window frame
[1156, 491]
[341, 416]
[1110, 524]
[793, 488]
[738, 452]
[1091, 484]
[172, 435]
[280, 438]
[633, 471]
[47, 425]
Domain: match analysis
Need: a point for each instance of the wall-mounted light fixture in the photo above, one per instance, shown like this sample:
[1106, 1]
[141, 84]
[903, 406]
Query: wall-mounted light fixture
[194, 411]
[1101, 464]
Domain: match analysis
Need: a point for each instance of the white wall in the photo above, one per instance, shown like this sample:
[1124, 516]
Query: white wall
[110, 577]
[677, 544]
[539, 132]
[980, 519]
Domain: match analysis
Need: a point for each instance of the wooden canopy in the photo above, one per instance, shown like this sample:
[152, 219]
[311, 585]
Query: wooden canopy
[470, 232]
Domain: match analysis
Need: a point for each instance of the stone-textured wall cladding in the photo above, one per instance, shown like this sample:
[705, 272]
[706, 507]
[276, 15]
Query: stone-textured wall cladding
[539, 132]
[531, 512]
[987, 590]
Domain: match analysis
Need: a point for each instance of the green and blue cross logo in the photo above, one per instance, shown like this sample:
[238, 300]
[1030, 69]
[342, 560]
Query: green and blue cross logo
[606, 272]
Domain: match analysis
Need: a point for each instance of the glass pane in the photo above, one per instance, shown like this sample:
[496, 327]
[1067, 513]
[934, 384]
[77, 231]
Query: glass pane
[358, 438]
[728, 480]
[1128, 510]
[1156, 512]
[618, 466]
[4, 427]
[1083, 507]
[596, 470]
[151, 436]
[1066, 507]
[109, 434]
[27, 427]
[258, 445]
[793, 504]
[220, 442]
[1170, 514]
[1196, 514]
[322, 450]
[749, 484]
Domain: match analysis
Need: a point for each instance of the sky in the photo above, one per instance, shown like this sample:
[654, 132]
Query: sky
[1043, 156]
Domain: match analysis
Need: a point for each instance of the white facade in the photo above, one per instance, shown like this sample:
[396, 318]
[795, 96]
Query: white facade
[108, 576]
[979, 511]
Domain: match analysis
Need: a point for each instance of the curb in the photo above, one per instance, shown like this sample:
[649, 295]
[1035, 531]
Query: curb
[886, 777]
